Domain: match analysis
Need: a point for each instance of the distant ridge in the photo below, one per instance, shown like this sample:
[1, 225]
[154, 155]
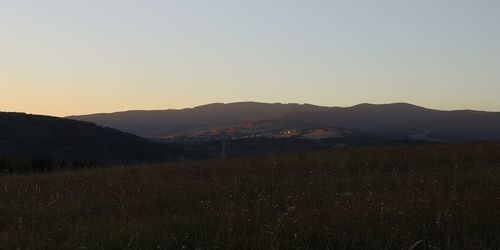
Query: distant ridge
[160, 123]
[395, 121]
[407, 121]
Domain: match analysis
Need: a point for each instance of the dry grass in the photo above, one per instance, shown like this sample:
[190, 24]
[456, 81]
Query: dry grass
[398, 197]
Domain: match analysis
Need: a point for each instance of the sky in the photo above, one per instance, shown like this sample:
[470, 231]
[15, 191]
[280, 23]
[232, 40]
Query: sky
[60, 57]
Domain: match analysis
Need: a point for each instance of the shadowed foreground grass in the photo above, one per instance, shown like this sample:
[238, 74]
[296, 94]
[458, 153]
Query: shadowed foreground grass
[433, 197]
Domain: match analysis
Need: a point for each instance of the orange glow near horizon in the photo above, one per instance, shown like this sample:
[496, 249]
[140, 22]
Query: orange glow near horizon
[79, 57]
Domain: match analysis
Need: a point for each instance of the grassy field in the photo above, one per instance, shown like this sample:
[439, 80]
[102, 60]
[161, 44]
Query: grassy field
[393, 197]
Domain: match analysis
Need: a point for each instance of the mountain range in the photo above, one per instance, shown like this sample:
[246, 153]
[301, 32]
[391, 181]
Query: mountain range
[249, 119]
[253, 127]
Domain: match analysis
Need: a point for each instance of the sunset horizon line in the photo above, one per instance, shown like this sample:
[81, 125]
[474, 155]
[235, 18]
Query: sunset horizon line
[249, 102]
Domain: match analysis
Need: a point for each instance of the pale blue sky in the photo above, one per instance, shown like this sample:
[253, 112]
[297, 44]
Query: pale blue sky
[73, 57]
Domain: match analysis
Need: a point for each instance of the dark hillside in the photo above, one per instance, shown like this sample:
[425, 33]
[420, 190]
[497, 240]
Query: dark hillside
[35, 136]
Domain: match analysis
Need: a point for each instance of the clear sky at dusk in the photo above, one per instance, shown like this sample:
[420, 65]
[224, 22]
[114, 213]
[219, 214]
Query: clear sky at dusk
[74, 57]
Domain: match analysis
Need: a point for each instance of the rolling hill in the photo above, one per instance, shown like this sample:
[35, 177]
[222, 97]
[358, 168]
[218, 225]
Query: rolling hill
[163, 123]
[406, 121]
[28, 136]
[392, 121]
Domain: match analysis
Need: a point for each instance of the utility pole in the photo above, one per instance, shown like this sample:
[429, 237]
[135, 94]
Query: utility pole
[225, 140]
[223, 147]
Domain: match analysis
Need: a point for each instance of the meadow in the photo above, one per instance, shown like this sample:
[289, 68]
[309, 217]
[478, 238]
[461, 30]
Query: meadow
[443, 196]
